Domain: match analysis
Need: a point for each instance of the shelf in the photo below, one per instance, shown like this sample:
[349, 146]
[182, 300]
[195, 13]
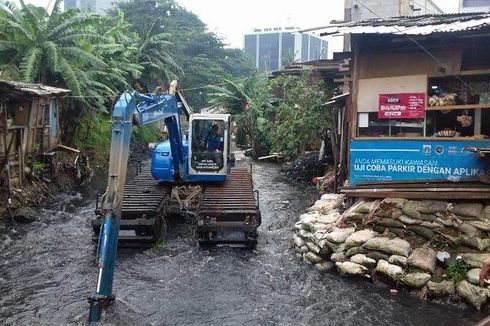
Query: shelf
[458, 107]
[407, 125]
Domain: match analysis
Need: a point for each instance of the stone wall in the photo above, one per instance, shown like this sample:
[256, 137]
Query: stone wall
[435, 248]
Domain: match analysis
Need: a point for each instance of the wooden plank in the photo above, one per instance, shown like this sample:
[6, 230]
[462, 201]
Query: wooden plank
[419, 195]
[458, 107]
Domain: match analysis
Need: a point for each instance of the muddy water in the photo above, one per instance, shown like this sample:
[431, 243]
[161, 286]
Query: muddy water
[47, 270]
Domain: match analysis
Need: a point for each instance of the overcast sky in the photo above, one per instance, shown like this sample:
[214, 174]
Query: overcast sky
[231, 19]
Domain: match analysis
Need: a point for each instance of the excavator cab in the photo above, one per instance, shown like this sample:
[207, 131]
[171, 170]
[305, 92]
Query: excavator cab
[209, 146]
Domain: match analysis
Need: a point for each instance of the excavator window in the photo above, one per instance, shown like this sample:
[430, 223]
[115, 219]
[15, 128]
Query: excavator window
[207, 145]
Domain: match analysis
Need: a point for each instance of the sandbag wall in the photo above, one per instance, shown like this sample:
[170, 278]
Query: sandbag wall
[408, 242]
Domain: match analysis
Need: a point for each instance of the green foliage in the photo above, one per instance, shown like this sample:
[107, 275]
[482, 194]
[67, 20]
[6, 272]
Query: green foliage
[248, 100]
[300, 118]
[37, 167]
[94, 136]
[146, 134]
[457, 270]
[200, 54]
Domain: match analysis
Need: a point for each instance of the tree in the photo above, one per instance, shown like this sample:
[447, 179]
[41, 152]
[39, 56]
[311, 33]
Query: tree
[201, 55]
[41, 47]
[300, 117]
[248, 100]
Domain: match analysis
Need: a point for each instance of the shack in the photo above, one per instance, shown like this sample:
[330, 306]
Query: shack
[29, 126]
[417, 117]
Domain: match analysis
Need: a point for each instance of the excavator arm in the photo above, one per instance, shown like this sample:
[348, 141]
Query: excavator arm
[131, 108]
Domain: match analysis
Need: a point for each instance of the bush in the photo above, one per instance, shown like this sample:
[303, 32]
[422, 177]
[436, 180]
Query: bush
[457, 270]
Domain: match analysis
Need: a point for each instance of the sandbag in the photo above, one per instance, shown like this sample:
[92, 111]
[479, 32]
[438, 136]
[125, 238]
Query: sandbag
[428, 217]
[338, 257]
[396, 202]
[362, 207]
[486, 212]
[313, 258]
[468, 209]
[339, 235]
[423, 258]
[410, 209]
[323, 206]
[475, 295]
[313, 247]
[355, 250]
[398, 260]
[474, 260]
[332, 197]
[475, 242]
[298, 241]
[351, 268]
[431, 225]
[377, 255]
[480, 225]
[393, 271]
[363, 260]
[408, 220]
[335, 247]
[395, 246]
[439, 289]
[431, 206]
[415, 280]
[303, 249]
[473, 276]
[391, 223]
[325, 266]
[422, 231]
[360, 237]
[328, 218]
[467, 229]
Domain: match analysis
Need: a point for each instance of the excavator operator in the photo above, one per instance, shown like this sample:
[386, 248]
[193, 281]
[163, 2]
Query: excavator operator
[213, 140]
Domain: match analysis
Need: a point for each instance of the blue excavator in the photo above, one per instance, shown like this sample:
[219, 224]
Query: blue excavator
[227, 210]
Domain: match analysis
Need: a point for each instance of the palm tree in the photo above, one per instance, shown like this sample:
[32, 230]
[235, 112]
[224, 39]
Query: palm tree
[247, 99]
[45, 48]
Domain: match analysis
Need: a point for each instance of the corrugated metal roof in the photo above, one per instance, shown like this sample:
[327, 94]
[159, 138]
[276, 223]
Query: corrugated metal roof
[36, 89]
[409, 25]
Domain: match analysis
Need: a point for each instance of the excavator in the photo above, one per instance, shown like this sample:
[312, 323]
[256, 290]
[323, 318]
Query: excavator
[227, 212]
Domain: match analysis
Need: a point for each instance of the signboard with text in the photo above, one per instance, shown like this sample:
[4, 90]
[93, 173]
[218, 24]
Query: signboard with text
[397, 160]
[401, 106]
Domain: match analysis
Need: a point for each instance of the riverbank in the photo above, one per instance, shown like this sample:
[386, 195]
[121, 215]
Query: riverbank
[432, 248]
[65, 172]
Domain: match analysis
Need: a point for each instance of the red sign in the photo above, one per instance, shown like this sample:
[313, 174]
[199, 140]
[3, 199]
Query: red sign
[401, 106]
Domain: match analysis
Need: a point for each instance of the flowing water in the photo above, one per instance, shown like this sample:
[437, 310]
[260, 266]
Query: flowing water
[47, 269]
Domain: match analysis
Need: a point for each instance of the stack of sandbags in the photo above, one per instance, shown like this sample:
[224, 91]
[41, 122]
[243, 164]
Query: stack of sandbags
[368, 238]
[461, 223]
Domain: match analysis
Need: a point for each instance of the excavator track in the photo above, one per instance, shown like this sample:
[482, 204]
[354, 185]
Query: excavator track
[229, 212]
[141, 213]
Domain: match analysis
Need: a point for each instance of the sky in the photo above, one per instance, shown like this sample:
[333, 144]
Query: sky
[231, 19]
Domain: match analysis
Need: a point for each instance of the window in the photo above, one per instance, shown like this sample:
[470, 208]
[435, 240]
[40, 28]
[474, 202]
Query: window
[476, 3]
[371, 126]
[207, 145]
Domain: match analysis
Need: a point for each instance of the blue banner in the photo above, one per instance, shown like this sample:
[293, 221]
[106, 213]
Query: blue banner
[377, 160]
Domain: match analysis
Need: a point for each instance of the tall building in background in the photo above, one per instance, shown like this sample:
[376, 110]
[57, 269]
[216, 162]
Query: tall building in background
[98, 6]
[276, 47]
[366, 9]
[474, 6]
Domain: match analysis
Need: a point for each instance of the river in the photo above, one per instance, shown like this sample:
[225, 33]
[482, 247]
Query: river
[47, 270]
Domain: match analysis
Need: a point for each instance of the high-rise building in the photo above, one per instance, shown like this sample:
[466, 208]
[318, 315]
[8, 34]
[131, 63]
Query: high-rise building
[474, 6]
[276, 47]
[98, 6]
[355, 10]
